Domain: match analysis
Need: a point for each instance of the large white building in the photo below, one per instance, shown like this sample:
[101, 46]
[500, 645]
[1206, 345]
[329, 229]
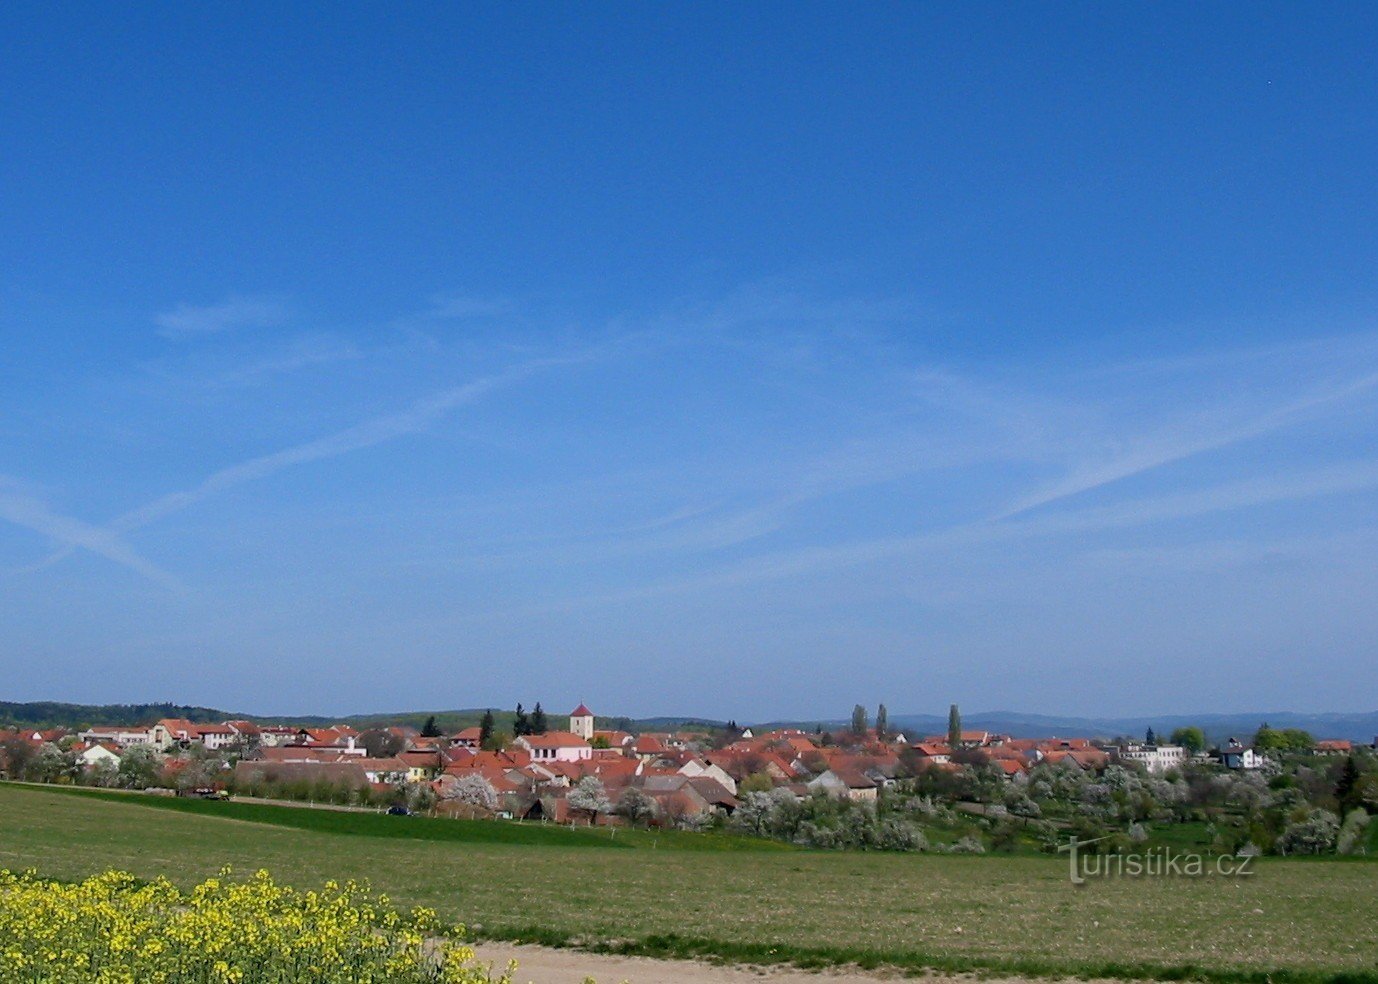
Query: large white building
[556, 746]
[124, 737]
[1155, 758]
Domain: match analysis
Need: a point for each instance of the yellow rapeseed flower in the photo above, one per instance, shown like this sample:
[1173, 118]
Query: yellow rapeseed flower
[111, 929]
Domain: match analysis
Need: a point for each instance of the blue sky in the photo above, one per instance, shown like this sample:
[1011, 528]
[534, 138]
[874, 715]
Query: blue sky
[749, 361]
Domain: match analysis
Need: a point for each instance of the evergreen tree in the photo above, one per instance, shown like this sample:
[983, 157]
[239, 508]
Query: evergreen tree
[954, 728]
[1150, 738]
[485, 729]
[859, 720]
[521, 724]
[882, 723]
[429, 729]
[1347, 789]
[538, 721]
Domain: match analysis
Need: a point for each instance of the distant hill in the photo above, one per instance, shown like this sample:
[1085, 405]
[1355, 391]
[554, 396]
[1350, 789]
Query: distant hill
[51, 714]
[1218, 727]
[457, 720]
[1358, 727]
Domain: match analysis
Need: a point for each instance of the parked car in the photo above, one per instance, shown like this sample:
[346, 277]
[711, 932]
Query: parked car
[205, 792]
[398, 811]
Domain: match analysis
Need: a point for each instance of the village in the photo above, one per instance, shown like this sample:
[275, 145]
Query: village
[582, 774]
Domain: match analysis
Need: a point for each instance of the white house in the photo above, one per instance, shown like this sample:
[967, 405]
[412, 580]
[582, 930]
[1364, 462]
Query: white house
[124, 737]
[934, 752]
[94, 754]
[1233, 755]
[180, 731]
[845, 784]
[217, 736]
[697, 767]
[1155, 758]
[389, 771]
[276, 736]
[556, 746]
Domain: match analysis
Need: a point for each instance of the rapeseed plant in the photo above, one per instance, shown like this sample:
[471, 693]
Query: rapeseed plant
[114, 929]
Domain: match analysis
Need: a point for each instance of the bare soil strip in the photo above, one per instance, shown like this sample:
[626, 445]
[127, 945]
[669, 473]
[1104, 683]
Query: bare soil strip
[546, 965]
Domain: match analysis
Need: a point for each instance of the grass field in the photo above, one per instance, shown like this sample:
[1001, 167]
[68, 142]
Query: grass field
[1295, 920]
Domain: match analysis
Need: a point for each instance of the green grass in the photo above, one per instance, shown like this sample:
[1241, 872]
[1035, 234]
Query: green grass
[1193, 836]
[379, 825]
[1006, 914]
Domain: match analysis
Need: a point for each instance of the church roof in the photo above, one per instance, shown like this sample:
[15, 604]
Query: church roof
[581, 711]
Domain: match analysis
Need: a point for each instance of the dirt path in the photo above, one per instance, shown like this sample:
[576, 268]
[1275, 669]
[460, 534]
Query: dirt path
[544, 965]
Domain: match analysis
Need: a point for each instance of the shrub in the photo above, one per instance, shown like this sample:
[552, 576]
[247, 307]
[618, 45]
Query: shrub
[1314, 835]
[1350, 839]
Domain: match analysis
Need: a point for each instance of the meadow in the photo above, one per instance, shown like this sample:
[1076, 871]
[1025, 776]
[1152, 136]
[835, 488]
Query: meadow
[678, 895]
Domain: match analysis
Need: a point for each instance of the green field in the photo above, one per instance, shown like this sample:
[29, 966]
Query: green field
[666, 894]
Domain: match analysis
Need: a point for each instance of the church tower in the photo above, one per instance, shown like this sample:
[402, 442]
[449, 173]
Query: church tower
[581, 722]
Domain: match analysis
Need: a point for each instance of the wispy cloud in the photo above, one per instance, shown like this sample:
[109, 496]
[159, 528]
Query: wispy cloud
[459, 306]
[367, 434]
[189, 320]
[1178, 444]
[1033, 430]
[306, 353]
[364, 435]
[26, 510]
[925, 546]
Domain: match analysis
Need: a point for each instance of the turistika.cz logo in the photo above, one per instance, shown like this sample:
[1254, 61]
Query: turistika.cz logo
[1160, 862]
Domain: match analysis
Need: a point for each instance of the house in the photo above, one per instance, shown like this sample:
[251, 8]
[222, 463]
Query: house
[124, 737]
[216, 736]
[557, 746]
[1154, 758]
[1333, 746]
[179, 731]
[275, 736]
[844, 783]
[695, 768]
[1087, 759]
[1235, 755]
[384, 771]
[932, 752]
[679, 796]
[648, 748]
[969, 739]
[171, 731]
[423, 765]
[468, 738]
[91, 754]
[611, 739]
